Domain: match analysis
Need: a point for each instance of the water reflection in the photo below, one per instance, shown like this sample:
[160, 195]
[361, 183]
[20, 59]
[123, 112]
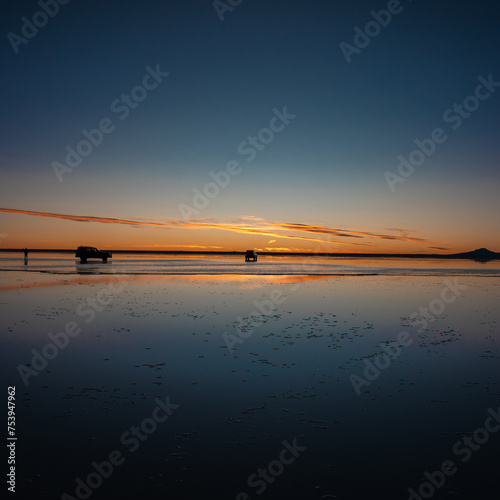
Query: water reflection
[289, 377]
[133, 264]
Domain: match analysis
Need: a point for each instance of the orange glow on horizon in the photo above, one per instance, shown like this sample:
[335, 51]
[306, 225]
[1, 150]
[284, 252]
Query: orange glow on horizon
[34, 229]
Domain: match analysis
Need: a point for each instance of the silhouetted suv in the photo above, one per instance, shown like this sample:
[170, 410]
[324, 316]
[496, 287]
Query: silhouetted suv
[250, 255]
[91, 253]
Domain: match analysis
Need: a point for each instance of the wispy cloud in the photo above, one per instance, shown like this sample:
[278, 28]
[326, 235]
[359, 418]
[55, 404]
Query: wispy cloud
[245, 225]
[344, 233]
[85, 218]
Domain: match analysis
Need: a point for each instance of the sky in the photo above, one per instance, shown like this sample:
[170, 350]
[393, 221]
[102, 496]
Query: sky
[278, 125]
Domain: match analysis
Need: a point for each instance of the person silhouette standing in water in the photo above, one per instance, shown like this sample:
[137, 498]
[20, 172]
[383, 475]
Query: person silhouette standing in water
[25, 256]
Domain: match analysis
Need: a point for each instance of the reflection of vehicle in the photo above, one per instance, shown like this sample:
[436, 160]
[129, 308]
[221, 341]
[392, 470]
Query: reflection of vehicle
[250, 255]
[91, 253]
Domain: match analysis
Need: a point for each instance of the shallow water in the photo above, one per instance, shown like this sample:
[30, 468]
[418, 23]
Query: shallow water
[252, 361]
[235, 264]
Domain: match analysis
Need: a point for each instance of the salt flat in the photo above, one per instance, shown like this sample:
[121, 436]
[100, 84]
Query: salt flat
[252, 362]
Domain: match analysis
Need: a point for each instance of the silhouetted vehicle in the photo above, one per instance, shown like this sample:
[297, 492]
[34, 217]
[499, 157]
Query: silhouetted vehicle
[250, 255]
[91, 253]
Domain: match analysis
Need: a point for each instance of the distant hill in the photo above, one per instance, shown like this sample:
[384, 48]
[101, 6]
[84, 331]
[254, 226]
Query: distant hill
[480, 254]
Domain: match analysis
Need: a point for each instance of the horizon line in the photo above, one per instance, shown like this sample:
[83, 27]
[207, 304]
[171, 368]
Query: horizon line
[225, 252]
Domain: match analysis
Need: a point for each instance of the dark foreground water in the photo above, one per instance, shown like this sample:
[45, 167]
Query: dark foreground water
[239, 386]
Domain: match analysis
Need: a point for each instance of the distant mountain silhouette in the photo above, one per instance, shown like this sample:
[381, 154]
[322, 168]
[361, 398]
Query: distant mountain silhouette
[480, 255]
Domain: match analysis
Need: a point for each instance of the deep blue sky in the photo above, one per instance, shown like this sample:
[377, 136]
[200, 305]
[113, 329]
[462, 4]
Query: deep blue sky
[326, 168]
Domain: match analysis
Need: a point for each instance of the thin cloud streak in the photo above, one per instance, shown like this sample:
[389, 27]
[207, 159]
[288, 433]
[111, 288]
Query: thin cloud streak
[250, 225]
[344, 232]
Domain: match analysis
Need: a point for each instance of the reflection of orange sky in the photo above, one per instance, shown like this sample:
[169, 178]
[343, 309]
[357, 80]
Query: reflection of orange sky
[59, 282]
[246, 281]
[23, 228]
[299, 264]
